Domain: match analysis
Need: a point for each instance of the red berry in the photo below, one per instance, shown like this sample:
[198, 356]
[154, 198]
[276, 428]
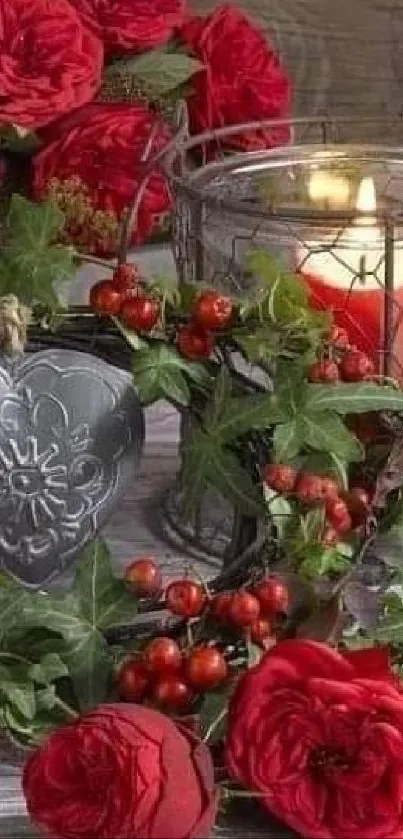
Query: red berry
[356, 366]
[309, 488]
[330, 537]
[194, 342]
[220, 606]
[206, 668]
[185, 598]
[172, 693]
[330, 489]
[280, 477]
[162, 656]
[260, 630]
[357, 502]
[140, 313]
[339, 337]
[144, 577]
[362, 495]
[244, 609]
[339, 516]
[125, 277]
[105, 298]
[272, 594]
[132, 680]
[324, 371]
[212, 310]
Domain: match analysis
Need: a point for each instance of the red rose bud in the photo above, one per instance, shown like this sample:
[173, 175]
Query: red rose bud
[50, 36]
[121, 771]
[309, 719]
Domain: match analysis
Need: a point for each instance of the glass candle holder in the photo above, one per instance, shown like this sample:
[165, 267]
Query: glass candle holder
[328, 207]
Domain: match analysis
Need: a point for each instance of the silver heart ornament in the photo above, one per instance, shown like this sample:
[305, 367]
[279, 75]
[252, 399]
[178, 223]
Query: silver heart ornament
[71, 436]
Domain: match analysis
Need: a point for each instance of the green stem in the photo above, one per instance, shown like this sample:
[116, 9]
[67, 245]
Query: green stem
[70, 712]
[215, 724]
[95, 260]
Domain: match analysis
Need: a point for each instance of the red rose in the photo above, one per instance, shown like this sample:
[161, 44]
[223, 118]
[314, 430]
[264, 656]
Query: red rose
[131, 25]
[242, 81]
[102, 144]
[49, 64]
[321, 736]
[121, 771]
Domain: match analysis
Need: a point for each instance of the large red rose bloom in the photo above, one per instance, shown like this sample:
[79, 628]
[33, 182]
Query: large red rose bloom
[320, 737]
[243, 80]
[121, 771]
[49, 63]
[131, 25]
[102, 145]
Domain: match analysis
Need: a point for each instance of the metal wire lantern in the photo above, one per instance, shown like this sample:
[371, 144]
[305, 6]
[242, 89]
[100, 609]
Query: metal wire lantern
[329, 207]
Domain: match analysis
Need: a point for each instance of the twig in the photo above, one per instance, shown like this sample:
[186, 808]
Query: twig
[221, 716]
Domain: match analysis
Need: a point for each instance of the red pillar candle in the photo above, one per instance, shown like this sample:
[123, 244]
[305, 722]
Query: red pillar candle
[345, 274]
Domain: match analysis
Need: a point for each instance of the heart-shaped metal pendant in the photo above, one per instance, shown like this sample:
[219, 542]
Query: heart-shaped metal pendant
[71, 433]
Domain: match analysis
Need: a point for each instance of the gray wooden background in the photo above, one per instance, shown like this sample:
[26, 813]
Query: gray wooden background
[345, 57]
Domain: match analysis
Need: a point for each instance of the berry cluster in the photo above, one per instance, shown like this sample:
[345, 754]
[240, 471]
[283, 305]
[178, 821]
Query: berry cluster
[343, 362]
[344, 510]
[126, 297]
[173, 674]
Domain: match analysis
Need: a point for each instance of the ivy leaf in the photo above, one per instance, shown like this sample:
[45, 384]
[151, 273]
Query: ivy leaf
[235, 483]
[161, 72]
[390, 626]
[260, 411]
[355, 398]
[327, 433]
[18, 691]
[46, 698]
[132, 338]
[217, 404]
[48, 669]
[261, 345]
[208, 463]
[104, 599]
[85, 652]
[159, 372]
[167, 289]
[312, 525]
[287, 440]
[321, 561]
[31, 261]
[12, 600]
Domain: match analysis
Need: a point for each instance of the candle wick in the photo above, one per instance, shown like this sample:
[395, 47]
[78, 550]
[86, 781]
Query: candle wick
[362, 270]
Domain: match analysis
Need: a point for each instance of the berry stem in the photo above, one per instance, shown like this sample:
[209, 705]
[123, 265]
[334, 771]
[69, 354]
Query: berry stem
[67, 709]
[212, 727]
[86, 257]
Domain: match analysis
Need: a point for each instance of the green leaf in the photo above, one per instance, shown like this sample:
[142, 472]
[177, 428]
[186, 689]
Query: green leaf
[161, 72]
[326, 432]
[85, 652]
[390, 627]
[235, 483]
[46, 698]
[159, 372]
[50, 668]
[104, 599]
[207, 463]
[132, 339]
[287, 440]
[261, 345]
[355, 398]
[12, 599]
[218, 401]
[31, 261]
[17, 691]
[322, 561]
[241, 415]
[167, 289]
[312, 525]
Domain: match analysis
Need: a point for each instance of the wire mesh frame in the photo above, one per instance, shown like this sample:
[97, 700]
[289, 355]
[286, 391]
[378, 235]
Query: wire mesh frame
[192, 168]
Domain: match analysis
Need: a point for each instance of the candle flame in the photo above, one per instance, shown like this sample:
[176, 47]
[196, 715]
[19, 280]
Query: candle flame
[330, 187]
[366, 196]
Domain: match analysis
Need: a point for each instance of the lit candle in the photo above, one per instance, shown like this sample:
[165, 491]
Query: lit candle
[346, 274]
